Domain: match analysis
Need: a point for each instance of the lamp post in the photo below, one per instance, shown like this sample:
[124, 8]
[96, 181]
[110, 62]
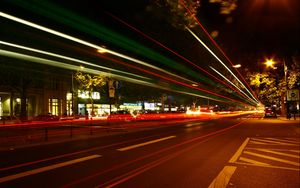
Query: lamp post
[270, 64]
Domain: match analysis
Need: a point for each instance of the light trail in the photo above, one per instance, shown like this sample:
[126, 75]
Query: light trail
[232, 83]
[69, 58]
[172, 51]
[92, 71]
[97, 47]
[214, 42]
[109, 51]
[212, 53]
[178, 82]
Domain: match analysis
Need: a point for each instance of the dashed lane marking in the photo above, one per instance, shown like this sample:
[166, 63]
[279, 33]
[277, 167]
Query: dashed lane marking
[46, 168]
[223, 177]
[145, 143]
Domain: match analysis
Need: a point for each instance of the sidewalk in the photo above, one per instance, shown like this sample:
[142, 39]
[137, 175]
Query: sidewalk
[293, 119]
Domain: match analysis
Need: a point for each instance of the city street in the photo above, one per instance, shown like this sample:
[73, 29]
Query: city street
[239, 151]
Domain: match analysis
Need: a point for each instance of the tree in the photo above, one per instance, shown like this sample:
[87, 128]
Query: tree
[266, 87]
[88, 83]
[182, 13]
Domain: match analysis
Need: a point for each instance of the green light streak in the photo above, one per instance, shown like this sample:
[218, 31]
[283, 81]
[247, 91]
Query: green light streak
[93, 71]
[69, 58]
[86, 43]
[73, 20]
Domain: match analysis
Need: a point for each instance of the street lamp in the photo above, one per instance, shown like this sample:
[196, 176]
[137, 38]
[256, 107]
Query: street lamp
[237, 66]
[270, 63]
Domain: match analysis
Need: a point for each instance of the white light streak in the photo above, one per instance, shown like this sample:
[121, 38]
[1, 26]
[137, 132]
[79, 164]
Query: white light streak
[208, 49]
[97, 47]
[232, 84]
[68, 58]
[92, 71]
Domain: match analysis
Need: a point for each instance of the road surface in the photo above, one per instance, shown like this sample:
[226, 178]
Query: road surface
[228, 152]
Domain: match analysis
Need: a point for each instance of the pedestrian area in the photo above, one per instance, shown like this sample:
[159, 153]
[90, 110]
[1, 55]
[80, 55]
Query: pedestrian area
[281, 153]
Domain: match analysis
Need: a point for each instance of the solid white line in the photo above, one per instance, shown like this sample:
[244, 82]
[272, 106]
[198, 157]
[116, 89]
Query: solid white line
[46, 168]
[223, 178]
[145, 143]
[239, 151]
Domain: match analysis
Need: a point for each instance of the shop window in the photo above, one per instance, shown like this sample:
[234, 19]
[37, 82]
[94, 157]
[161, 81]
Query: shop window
[53, 106]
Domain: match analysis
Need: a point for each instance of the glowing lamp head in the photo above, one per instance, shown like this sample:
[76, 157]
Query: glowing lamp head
[269, 63]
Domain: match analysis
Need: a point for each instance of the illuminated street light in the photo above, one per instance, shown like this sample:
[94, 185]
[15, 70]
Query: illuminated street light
[237, 66]
[270, 63]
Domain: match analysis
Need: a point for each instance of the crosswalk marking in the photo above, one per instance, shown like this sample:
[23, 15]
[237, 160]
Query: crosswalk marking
[273, 142]
[289, 141]
[272, 158]
[253, 161]
[279, 153]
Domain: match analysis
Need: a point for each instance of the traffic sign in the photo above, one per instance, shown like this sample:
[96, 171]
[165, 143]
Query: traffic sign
[293, 95]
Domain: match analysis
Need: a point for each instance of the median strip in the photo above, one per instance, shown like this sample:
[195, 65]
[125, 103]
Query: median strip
[47, 168]
[145, 143]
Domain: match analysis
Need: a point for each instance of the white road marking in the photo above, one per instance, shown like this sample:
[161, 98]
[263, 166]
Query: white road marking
[193, 124]
[252, 161]
[239, 151]
[223, 178]
[279, 153]
[272, 158]
[46, 168]
[273, 142]
[145, 143]
[284, 140]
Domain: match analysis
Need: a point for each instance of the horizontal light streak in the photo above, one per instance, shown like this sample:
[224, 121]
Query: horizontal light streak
[231, 83]
[109, 51]
[208, 49]
[97, 47]
[68, 58]
[92, 71]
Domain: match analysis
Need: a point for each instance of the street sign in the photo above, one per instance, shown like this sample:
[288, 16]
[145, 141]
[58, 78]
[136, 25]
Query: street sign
[293, 95]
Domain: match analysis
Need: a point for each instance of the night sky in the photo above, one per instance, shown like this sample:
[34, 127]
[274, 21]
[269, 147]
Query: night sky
[257, 29]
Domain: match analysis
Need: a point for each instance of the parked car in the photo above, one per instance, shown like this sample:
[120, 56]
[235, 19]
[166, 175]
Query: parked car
[46, 117]
[270, 113]
[121, 115]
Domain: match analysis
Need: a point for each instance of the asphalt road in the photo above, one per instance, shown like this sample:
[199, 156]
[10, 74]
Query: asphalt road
[227, 152]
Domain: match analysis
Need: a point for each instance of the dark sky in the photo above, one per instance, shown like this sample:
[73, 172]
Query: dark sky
[259, 28]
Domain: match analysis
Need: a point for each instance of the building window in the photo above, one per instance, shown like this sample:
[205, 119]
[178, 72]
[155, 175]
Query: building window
[53, 106]
[85, 95]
